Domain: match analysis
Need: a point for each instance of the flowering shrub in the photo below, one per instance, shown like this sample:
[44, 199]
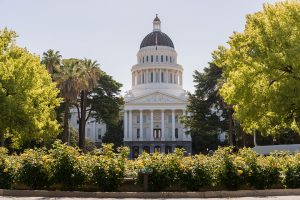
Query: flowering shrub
[195, 172]
[6, 169]
[291, 172]
[164, 169]
[109, 168]
[261, 172]
[34, 168]
[67, 168]
[229, 169]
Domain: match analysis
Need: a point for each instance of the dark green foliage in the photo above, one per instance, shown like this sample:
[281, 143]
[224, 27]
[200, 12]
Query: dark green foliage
[114, 134]
[6, 170]
[106, 101]
[208, 114]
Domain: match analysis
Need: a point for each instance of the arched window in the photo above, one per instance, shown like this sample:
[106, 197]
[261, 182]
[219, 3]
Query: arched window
[156, 58]
[151, 77]
[162, 77]
[151, 58]
[166, 58]
[162, 59]
[147, 59]
[168, 149]
[157, 149]
[146, 149]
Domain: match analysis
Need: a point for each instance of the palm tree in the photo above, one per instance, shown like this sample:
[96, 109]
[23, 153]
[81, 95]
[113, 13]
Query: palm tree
[52, 60]
[70, 78]
[92, 75]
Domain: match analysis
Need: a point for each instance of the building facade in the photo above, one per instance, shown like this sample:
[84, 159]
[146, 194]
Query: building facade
[156, 102]
[94, 130]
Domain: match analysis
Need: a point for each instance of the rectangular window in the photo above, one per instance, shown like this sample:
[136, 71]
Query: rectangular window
[151, 58]
[166, 58]
[137, 133]
[176, 132]
[156, 133]
[89, 132]
[99, 134]
[137, 119]
[162, 59]
[144, 118]
[156, 58]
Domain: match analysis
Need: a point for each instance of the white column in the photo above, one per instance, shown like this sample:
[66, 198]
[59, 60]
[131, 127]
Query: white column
[162, 125]
[167, 76]
[141, 125]
[125, 126]
[130, 125]
[173, 125]
[183, 127]
[151, 125]
[160, 75]
[189, 135]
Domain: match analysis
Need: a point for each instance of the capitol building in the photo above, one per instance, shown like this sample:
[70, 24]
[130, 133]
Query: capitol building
[155, 103]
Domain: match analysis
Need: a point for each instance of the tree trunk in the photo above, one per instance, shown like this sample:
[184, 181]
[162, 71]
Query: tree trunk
[82, 120]
[2, 139]
[230, 127]
[65, 136]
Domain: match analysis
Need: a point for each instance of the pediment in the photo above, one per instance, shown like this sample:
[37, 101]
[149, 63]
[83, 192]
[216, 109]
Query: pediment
[156, 98]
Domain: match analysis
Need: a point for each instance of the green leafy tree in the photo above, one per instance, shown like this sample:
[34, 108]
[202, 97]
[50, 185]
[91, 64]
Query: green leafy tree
[262, 70]
[106, 100]
[209, 116]
[28, 97]
[114, 134]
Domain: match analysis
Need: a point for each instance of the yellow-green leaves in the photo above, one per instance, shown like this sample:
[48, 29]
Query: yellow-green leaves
[261, 67]
[27, 94]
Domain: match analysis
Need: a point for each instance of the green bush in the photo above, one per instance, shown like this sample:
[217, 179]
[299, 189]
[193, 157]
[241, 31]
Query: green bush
[291, 172]
[7, 169]
[67, 166]
[34, 169]
[109, 168]
[164, 169]
[195, 173]
[229, 169]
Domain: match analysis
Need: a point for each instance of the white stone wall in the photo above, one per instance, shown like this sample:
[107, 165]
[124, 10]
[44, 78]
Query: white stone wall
[94, 130]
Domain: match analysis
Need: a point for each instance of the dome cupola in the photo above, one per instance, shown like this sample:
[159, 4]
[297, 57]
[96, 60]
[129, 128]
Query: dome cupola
[157, 37]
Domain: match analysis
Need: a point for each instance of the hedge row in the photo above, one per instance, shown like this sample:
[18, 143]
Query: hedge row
[70, 169]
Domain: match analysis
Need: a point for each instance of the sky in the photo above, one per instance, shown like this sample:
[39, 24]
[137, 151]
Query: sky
[110, 31]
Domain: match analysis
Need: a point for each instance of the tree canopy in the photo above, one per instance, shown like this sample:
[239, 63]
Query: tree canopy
[28, 96]
[208, 116]
[261, 67]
